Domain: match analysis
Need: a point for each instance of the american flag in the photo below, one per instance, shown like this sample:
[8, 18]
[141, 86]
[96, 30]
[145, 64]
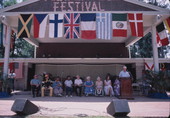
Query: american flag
[72, 25]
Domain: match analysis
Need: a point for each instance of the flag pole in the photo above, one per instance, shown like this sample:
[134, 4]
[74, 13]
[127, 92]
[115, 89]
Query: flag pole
[7, 50]
[155, 49]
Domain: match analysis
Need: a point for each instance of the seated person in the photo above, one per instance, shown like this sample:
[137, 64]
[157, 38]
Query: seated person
[35, 86]
[78, 85]
[69, 86]
[99, 87]
[108, 86]
[57, 86]
[88, 86]
[117, 87]
[46, 84]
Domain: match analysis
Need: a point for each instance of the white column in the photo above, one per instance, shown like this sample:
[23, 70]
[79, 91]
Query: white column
[155, 49]
[35, 52]
[139, 69]
[7, 51]
[25, 75]
[129, 52]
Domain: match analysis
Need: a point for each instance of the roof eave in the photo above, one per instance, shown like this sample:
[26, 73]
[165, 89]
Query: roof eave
[17, 5]
[143, 4]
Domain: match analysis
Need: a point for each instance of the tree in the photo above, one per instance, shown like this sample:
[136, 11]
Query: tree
[142, 48]
[22, 49]
[9, 2]
[160, 3]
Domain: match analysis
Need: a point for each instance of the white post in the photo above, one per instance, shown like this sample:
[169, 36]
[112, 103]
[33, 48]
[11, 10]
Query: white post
[25, 75]
[129, 52]
[155, 49]
[35, 52]
[7, 51]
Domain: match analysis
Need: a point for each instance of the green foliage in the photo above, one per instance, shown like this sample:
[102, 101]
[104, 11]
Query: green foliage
[22, 49]
[1, 52]
[160, 3]
[9, 3]
[159, 81]
[142, 48]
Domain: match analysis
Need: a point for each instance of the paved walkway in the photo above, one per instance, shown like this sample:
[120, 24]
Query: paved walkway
[86, 106]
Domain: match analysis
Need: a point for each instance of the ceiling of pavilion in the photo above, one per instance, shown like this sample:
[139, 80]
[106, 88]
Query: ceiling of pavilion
[75, 6]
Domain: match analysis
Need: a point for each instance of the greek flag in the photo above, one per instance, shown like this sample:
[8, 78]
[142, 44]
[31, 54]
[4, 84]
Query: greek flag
[104, 26]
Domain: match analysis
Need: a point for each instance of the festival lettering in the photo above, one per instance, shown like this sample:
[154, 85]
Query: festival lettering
[77, 6]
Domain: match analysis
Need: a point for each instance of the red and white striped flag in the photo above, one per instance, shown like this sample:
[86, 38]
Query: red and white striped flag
[162, 34]
[88, 26]
[159, 44]
[136, 24]
[149, 65]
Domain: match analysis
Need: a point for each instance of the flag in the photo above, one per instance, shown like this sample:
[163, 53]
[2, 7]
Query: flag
[167, 24]
[162, 34]
[1, 64]
[72, 25]
[136, 24]
[55, 25]
[12, 43]
[88, 26]
[1, 35]
[11, 67]
[119, 25]
[24, 25]
[149, 65]
[104, 27]
[19, 70]
[40, 23]
[158, 40]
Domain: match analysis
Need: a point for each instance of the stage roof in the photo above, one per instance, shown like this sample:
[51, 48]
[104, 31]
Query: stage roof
[152, 15]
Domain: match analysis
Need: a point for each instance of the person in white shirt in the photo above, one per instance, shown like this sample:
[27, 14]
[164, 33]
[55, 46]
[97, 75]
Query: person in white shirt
[78, 85]
[69, 86]
[11, 77]
[124, 73]
[108, 89]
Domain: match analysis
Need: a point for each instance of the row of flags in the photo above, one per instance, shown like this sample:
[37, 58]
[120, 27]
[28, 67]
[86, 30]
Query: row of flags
[162, 36]
[85, 26]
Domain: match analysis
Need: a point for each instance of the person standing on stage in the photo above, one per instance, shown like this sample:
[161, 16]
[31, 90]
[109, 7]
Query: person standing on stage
[11, 77]
[124, 73]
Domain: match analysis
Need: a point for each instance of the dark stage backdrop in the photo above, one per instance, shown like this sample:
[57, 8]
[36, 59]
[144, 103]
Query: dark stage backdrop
[82, 50]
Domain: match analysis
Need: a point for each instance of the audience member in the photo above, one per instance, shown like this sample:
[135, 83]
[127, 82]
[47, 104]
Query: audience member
[88, 86]
[99, 87]
[108, 86]
[57, 87]
[35, 85]
[78, 85]
[68, 86]
[117, 87]
[46, 84]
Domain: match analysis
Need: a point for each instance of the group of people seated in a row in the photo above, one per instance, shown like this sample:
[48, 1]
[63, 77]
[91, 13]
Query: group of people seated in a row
[87, 87]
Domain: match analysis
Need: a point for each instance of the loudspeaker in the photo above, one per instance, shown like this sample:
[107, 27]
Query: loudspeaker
[24, 106]
[118, 108]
